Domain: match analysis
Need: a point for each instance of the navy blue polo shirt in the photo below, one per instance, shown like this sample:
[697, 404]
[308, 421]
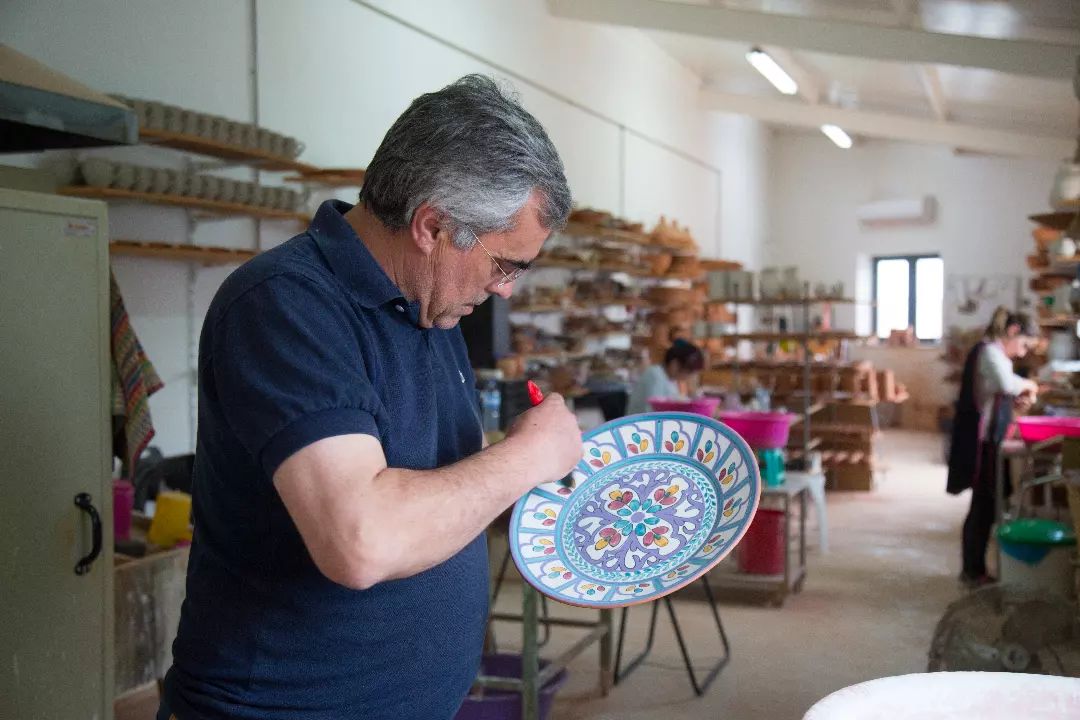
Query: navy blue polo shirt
[307, 341]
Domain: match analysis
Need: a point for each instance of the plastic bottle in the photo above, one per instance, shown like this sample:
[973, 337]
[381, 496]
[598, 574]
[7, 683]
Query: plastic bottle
[490, 401]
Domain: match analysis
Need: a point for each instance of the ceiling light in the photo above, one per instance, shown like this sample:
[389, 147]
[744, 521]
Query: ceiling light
[775, 74]
[837, 135]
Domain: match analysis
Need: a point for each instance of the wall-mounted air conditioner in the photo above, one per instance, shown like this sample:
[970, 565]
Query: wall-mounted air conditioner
[901, 211]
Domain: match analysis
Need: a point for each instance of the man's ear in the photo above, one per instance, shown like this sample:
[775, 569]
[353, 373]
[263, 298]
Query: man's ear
[427, 223]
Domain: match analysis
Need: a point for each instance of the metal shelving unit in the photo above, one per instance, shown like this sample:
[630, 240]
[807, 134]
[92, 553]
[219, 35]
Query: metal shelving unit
[809, 406]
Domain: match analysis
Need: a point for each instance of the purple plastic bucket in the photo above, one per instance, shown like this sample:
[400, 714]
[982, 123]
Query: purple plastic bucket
[506, 704]
[123, 504]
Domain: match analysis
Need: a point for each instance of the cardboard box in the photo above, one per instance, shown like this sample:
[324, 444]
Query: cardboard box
[849, 477]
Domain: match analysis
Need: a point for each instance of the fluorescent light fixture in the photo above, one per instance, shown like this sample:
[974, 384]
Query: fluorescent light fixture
[775, 74]
[837, 135]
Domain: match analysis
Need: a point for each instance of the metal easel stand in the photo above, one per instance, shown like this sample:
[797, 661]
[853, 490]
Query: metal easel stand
[534, 614]
[699, 686]
[543, 605]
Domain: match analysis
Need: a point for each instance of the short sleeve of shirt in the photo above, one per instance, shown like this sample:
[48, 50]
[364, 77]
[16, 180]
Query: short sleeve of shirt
[288, 369]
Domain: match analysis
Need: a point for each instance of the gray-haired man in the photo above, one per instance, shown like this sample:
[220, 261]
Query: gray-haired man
[338, 568]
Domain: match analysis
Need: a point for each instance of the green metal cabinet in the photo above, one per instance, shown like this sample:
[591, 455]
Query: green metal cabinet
[55, 624]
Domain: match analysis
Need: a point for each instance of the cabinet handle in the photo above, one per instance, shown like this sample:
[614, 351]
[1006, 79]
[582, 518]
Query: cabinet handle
[83, 501]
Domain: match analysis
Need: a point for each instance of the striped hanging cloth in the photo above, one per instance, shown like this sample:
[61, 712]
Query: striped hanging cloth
[134, 380]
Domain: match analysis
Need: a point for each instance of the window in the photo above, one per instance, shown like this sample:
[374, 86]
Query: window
[909, 291]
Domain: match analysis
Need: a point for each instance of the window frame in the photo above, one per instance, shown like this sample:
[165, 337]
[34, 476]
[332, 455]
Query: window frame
[912, 259]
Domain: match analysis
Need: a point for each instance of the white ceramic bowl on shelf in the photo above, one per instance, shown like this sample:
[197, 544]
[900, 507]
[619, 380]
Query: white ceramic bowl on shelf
[144, 178]
[161, 181]
[227, 190]
[245, 191]
[98, 172]
[124, 176]
[211, 187]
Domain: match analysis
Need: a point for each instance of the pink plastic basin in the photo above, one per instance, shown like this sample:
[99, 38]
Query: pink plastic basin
[760, 430]
[700, 406]
[1037, 428]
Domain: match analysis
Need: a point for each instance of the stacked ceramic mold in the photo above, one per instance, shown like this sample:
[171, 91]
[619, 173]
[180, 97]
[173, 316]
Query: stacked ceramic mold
[103, 173]
[161, 117]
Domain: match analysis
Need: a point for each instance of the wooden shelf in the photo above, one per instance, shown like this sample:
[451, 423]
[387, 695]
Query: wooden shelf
[580, 265]
[1059, 268]
[627, 237]
[213, 148]
[541, 308]
[821, 400]
[330, 177]
[172, 251]
[816, 366]
[793, 445]
[780, 337]
[210, 207]
[576, 229]
[604, 334]
[1054, 220]
[793, 302]
[720, 265]
[556, 355]
[1059, 321]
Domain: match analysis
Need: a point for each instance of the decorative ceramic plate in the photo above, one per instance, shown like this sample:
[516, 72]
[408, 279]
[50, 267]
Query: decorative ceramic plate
[658, 500]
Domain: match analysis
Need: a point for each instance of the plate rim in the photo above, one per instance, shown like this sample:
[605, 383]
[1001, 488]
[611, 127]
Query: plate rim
[755, 474]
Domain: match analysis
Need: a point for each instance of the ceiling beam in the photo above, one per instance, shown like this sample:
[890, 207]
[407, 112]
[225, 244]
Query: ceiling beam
[889, 126]
[906, 11]
[907, 15]
[935, 92]
[877, 42]
[809, 87]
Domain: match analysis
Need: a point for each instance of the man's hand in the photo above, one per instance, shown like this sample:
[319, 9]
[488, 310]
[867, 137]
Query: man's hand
[548, 434]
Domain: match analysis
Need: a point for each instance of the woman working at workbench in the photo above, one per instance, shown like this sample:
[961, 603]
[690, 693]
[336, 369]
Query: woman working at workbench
[989, 393]
[682, 363]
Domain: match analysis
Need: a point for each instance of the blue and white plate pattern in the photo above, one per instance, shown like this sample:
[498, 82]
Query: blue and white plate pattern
[658, 500]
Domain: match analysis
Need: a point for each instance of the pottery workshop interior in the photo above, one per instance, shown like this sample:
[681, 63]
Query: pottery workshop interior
[539, 359]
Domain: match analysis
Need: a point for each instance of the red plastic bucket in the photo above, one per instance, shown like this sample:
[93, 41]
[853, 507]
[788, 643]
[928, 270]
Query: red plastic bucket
[761, 551]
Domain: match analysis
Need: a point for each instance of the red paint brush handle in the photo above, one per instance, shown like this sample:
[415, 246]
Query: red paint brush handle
[536, 395]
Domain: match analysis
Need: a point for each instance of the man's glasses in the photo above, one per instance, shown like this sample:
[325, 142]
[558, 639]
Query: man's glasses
[508, 277]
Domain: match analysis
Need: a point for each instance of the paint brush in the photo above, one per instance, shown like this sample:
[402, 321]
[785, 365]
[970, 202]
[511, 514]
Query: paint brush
[536, 396]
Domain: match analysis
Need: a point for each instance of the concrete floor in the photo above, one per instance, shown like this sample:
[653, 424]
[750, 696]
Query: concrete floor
[868, 610]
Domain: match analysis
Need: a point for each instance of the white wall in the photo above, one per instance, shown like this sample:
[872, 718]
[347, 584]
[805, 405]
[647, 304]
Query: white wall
[983, 204]
[336, 73]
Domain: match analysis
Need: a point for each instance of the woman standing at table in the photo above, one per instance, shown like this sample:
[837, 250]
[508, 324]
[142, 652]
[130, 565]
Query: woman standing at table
[989, 392]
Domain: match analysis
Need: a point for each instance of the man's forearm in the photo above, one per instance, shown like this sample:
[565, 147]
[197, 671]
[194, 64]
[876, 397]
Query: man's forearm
[425, 517]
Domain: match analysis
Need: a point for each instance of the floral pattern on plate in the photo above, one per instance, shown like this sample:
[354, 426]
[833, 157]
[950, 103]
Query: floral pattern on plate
[656, 501]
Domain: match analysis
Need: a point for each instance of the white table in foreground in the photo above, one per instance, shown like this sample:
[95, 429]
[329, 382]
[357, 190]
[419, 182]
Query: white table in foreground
[954, 696]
